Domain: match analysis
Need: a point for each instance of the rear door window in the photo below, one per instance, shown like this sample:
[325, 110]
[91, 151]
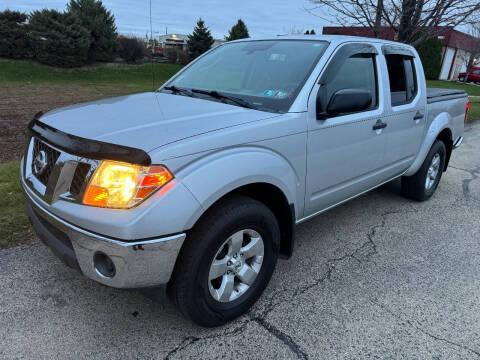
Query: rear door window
[402, 77]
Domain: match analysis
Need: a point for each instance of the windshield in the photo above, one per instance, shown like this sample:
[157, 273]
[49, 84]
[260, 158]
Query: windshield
[265, 74]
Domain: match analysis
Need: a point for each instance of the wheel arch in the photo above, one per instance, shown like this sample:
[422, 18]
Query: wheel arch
[252, 171]
[274, 199]
[447, 138]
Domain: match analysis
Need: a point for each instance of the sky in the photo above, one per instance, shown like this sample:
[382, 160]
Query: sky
[263, 17]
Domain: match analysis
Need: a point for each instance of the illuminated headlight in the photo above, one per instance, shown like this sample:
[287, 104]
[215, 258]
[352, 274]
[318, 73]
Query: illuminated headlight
[122, 185]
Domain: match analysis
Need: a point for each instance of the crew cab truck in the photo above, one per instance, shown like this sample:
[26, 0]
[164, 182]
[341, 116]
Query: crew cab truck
[199, 185]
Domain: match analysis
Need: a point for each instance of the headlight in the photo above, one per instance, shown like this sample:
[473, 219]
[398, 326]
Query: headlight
[122, 185]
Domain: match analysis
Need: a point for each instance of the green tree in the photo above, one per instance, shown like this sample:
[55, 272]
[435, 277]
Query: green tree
[307, 32]
[312, 32]
[58, 38]
[200, 41]
[238, 31]
[100, 23]
[13, 34]
[430, 52]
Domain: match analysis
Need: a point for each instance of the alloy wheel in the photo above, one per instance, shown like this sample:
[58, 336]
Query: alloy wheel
[236, 265]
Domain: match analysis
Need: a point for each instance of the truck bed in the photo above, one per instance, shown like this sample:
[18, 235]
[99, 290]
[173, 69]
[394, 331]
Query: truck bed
[451, 102]
[441, 94]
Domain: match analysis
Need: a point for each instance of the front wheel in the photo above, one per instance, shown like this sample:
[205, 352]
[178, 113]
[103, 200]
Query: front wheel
[226, 262]
[424, 182]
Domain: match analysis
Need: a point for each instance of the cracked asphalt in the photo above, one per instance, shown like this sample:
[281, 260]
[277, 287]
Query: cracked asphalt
[380, 277]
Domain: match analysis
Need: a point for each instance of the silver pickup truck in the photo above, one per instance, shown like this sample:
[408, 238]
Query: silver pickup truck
[198, 186]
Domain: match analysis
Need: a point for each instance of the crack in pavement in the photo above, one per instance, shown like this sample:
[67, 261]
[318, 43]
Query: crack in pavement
[280, 335]
[189, 340]
[474, 173]
[466, 182]
[423, 331]
[276, 298]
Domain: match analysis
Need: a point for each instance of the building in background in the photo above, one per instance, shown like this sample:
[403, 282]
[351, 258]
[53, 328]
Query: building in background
[175, 41]
[456, 45]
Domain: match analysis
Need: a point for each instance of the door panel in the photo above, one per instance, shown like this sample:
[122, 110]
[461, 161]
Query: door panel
[406, 121]
[345, 158]
[345, 155]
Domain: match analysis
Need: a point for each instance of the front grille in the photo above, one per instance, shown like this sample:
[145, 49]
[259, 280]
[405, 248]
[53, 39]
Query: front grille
[79, 178]
[51, 157]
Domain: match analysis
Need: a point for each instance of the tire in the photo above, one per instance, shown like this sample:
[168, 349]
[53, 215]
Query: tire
[416, 186]
[212, 239]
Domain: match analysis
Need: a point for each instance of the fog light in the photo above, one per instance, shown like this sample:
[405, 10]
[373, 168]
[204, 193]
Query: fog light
[103, 265]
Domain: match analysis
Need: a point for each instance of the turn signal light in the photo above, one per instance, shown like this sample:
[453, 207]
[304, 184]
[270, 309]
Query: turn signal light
[121, 185]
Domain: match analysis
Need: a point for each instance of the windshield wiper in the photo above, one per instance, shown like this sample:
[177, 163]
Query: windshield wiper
[215, 94]
[178, 90]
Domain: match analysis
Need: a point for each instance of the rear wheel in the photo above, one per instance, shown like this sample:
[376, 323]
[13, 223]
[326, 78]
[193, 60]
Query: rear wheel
[226, 262]
[424, 182]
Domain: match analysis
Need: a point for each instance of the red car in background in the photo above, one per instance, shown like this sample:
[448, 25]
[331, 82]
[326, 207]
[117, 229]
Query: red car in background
[474, 75]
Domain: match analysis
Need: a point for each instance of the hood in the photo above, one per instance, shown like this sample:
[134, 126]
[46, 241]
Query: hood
[149, 120]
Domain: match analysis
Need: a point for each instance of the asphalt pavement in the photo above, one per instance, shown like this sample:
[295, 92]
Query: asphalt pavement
[380, 277]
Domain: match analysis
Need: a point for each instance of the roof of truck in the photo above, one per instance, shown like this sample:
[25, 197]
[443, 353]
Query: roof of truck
[330, 38]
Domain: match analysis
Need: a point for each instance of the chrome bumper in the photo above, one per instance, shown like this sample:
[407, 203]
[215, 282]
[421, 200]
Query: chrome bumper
[137, 264]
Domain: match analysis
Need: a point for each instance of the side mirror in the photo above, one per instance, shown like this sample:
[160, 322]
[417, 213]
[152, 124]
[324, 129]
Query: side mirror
[346, 101]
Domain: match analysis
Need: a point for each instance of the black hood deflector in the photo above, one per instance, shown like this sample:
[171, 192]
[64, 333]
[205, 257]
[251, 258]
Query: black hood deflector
[88, 148]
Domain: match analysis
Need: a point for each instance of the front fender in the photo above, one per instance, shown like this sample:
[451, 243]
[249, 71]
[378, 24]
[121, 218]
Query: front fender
[440, 123]
[215, 175]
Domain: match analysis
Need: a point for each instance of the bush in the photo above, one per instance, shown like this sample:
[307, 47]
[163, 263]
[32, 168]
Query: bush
[177, 56]
[100, 24]
[430, 52]
[132, 50]
[14, 35]
[183, 57]
[59, 39]
[172, 55]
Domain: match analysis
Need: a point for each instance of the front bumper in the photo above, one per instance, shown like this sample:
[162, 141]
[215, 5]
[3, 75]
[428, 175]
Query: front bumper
[137, 264]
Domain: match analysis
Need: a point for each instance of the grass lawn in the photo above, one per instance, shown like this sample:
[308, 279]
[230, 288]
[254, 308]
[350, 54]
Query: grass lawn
[474, 112]
[14, 225]
[139, 78]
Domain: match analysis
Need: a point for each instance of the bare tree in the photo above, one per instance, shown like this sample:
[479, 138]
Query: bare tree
[293, 30]
[412, 20]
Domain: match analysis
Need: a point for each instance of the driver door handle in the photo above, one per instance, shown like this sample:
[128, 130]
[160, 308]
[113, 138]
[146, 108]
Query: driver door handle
[379, 125]
[418, 116]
